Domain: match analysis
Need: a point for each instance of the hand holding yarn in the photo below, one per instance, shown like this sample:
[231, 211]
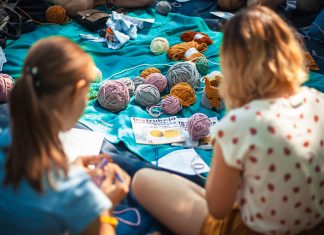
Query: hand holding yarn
[159, 46]
[6, 84]
[113, 95]
[198, 126]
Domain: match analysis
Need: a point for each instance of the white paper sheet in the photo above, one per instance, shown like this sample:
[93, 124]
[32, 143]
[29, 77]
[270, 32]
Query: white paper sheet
[79, 142]
[222, 14]
[183, 161]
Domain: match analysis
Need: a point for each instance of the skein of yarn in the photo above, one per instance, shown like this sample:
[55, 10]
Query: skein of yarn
[147, 95]
[198, 126]
[148, 71]
[188, 51]
[157, 80]
[57, 15]
[196, 36]
[93, 91]
[113, 95]
[159, 46]
[6, 84]
[184, 92]
[138, 81]
[183, 72]
[163, 7]
[171, 105]
[202, 66]
[129, 83]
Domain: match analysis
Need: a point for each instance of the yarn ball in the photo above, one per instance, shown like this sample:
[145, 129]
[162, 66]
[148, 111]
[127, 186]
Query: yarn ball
[171, 105]
[57, 15]
[129, 83]
[159, 46]
[202, 66]
[163, 7]
[113, 95]
[6, 84]
[196, 36]
[147, 95]
[184, 92]
[157, 80]
[98, 75]
[183, 72]
[138, 81]
[198, 126]
[205, 102]
[148, 71]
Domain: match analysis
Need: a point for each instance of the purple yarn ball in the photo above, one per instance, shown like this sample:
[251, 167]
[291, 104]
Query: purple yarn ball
[113, 95]
[158, 80]
[171, 105]
[198, 126]
[6, 84]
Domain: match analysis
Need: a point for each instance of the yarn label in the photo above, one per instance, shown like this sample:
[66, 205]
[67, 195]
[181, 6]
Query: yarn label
[157, 131]
[190, 52]
[198, 36]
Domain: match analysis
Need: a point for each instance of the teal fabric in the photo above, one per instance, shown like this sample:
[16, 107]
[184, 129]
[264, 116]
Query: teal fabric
[135, 52]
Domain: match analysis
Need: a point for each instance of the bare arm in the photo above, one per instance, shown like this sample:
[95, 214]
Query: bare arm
[221, 186]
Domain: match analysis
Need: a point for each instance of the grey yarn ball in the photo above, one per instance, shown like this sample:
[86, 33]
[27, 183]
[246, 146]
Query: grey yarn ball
[183, 72]
[163, 7]
[129, 83]
[138, 81]
[147, 95]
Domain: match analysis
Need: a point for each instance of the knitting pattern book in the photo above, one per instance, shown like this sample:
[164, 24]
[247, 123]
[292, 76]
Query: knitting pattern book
[157, 130]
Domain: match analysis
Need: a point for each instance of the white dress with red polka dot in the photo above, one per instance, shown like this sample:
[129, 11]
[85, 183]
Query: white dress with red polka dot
[278, 144]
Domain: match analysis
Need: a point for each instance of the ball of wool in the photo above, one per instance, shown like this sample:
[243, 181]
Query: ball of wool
[205, 102]
[113, 95]
[6, 84]
[183, 72]
[147, 95]
[129, 83]
[184, 93]
[148, 71]
[159, 46]
[98, 75]
[138, 81]
[57, 15]
[157, 80]
[198, 126]
[163, 7]
[202, 66]
[171, 105]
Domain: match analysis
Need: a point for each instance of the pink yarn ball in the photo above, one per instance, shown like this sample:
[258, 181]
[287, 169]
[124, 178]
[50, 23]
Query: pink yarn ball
[158, 80]
[6, 84]
[171, 105]
[113, 95]
[198, 126]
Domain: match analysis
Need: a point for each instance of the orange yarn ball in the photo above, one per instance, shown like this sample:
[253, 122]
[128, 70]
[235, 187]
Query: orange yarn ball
[196, 36]
[57, 15]
[149, 71]
[188, 51]
[185, 93]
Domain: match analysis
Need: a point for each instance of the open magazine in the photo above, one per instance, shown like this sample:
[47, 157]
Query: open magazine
[189, 143]
[157, 131]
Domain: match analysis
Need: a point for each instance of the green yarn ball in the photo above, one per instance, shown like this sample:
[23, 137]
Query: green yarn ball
[93, 92]
[202, 66]
[98, 76]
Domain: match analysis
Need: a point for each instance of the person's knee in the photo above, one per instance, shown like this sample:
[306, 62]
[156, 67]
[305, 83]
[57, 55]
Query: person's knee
[74, 6]
[140, 179]
[230, 5]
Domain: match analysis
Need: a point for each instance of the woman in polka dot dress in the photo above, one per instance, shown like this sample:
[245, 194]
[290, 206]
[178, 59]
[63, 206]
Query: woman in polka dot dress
[267, 173]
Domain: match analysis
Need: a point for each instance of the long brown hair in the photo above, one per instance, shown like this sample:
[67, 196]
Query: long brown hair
[260, 56]
[51, 65]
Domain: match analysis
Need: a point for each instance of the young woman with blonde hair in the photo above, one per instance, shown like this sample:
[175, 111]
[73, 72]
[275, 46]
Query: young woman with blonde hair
[267, 172]
[40, 192]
